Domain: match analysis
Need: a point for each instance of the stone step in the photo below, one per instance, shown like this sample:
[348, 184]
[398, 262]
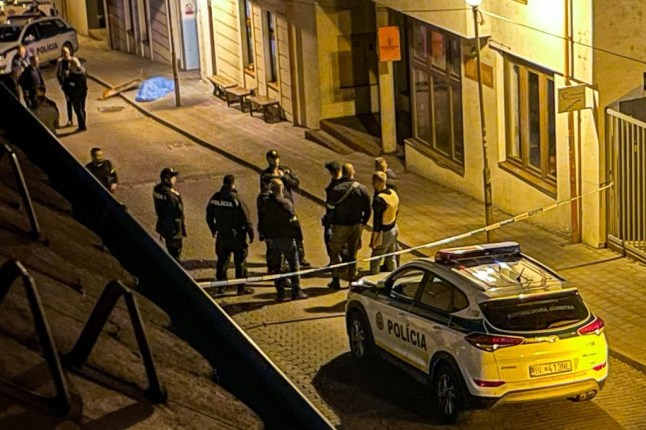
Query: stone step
[327, 140]
[355, 139]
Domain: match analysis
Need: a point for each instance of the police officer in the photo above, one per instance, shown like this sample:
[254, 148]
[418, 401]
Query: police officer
[282, 229]
[32, 83]
[229, 222]
[290, 182]
[170, 212]
[18, 65]
[349, 213]
[334, 169]
[103, 170]
[383, 240]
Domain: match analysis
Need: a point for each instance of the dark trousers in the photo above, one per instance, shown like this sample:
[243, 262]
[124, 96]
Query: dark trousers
[174, 247]
[287, 248]
[345, 236]
[78, 103]
[327, 234]
[224, 247]
[68, 105]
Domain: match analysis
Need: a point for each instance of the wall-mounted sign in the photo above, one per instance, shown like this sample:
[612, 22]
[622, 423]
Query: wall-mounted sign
[471, 71]
[571, 98]
[389, 45]
[189, 9]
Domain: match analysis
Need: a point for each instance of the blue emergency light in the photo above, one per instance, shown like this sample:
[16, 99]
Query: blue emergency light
[449, 255]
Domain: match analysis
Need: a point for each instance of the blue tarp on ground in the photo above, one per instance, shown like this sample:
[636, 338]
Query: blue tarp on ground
[154, 88]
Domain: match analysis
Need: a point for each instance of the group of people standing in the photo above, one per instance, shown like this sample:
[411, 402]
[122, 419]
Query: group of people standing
[348, 209]
[27, 79]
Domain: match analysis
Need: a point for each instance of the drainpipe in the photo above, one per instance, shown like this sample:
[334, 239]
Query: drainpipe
[572, 157]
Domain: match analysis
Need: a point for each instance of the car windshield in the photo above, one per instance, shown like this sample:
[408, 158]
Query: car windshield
[543, 312]
[9, 33]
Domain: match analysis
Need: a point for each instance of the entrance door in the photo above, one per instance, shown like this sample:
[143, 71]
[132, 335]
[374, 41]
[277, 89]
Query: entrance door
[188, 12]
[627, 169]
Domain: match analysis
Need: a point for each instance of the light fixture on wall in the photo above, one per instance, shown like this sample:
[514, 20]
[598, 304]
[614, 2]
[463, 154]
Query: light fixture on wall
[486, 173]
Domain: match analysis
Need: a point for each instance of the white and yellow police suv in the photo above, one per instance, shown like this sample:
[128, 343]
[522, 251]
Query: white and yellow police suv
[42, 36]
[482, 324]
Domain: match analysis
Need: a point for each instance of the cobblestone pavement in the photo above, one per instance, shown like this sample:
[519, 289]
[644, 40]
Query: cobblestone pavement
[306, 339]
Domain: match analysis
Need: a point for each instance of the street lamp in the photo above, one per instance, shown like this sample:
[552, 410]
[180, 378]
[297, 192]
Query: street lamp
[486, 173]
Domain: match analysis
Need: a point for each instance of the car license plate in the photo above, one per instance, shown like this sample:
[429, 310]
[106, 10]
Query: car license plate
[550, 368]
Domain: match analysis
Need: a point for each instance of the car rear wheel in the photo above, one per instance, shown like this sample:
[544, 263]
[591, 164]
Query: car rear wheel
[446, 392]
[361, 344]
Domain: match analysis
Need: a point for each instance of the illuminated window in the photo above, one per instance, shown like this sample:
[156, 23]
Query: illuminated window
[247, 36]
[531, 120]
[436, 71]
[273, 48]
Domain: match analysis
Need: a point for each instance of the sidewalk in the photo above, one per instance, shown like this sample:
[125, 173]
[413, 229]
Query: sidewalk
[428, 211]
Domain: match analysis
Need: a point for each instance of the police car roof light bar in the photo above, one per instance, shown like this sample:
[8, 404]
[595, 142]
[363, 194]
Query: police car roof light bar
[450, 255]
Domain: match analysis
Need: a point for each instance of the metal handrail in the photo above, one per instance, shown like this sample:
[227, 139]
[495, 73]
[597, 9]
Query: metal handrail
[242, 368]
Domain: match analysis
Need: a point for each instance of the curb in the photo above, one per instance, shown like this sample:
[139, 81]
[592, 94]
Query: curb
[617, 353]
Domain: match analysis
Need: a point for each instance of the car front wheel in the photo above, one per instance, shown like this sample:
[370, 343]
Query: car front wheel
[446, 392]
[360, 336]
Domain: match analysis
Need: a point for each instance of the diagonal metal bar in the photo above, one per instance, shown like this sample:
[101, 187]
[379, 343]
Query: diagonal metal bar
[60, 403]
[35, 233]
[79, 354]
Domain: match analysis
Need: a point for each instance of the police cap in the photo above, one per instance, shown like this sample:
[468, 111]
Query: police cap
[272, 155]
[167, 173]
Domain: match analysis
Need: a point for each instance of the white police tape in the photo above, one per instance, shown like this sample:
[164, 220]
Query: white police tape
[494, 226]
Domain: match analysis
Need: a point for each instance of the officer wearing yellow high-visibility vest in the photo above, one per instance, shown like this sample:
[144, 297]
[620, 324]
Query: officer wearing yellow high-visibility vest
[383, 240]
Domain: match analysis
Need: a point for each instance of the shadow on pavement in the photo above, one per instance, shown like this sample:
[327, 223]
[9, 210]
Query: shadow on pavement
[348, 385]
[337, 308]
[377, 394]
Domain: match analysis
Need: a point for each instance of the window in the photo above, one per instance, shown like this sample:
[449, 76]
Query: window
[440, 294]
[47, 29]
[247, 36]
[31, 35]
[273, 48]
[406, 283]
[436, 70]
[143, 23]
[536, 313]
[531, 121]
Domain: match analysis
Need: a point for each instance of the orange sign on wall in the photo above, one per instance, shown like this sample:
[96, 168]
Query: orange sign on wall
[389, 46]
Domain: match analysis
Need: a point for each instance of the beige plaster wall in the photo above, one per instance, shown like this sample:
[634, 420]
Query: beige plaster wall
[77, 15]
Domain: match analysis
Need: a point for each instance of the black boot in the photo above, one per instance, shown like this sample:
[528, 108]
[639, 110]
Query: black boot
[280, 296]
[335, 284]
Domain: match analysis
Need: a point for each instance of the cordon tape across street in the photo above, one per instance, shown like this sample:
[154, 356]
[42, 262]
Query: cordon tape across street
[494, 226]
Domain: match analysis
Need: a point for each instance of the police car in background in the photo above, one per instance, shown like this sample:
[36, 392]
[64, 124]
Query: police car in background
[12, 8]
[41, 36]
[483, 325]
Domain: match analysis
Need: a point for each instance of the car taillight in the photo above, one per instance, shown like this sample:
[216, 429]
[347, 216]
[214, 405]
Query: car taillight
[600, 366]
[488, 384]
[491, 343]
[595, 327]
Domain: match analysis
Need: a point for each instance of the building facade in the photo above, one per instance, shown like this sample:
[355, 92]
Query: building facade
[549, 71]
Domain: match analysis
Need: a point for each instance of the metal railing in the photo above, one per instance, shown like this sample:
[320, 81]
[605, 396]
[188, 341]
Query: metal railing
[626, 143]
[242, 368]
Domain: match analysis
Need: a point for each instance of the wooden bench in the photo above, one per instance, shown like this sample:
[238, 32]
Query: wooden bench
[269, 107]
[221, 84]
[237, 94]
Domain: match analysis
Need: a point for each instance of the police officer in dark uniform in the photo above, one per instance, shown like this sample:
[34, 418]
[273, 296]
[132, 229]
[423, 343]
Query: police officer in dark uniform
[290, 182]
[170, 212]
[103, 170]
[334, 169]
[280, 226]
[229, 222]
